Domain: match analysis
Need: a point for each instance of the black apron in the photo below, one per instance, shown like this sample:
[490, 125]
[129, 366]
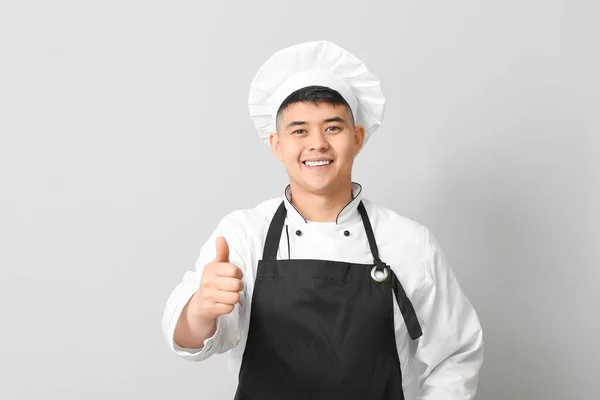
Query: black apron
[323, 330]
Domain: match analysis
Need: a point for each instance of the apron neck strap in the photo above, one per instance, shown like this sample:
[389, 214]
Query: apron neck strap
[274, 233]
[370, 234]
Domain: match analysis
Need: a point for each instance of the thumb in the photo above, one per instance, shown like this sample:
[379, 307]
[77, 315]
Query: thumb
[222, 250]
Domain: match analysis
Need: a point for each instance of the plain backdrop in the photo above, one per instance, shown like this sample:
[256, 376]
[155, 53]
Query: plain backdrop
[125, 137]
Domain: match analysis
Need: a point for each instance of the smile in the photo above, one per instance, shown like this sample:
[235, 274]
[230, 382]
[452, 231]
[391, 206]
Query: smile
[317, 163]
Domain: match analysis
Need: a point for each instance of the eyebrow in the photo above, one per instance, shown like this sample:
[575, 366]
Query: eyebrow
[334, 119]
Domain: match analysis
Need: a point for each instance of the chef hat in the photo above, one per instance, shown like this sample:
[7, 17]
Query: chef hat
[319, 63]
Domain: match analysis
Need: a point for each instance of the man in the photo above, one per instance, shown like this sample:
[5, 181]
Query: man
[322, 294]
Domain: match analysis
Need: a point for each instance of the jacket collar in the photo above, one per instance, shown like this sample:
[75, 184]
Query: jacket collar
[349, 212]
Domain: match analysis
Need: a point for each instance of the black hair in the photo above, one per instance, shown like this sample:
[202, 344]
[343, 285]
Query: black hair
[315, 95]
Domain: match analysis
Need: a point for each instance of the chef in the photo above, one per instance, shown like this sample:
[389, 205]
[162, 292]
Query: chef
[323, 294]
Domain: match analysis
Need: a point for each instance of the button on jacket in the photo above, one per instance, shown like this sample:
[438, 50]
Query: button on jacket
[451, 345]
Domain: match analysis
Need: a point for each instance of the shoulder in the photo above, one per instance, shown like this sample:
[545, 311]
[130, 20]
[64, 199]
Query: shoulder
[240, 228]
[401, 232]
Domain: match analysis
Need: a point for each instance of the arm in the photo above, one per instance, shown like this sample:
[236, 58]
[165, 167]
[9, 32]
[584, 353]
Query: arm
[452, 343]
[187, 335]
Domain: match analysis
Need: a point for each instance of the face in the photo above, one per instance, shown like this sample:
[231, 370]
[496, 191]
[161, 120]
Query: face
[317, 145]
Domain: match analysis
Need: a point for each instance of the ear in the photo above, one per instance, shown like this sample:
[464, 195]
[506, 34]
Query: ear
[359, 138]
[275, 145]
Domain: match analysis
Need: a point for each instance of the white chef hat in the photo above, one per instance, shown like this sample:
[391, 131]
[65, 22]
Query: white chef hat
[320, 63]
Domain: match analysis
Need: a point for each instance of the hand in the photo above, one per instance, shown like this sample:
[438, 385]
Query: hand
[220, 287]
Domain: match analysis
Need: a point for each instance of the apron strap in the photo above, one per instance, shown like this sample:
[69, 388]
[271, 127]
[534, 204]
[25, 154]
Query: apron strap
[404, 303]
[407, 309]
[274, 234]
[370, 234]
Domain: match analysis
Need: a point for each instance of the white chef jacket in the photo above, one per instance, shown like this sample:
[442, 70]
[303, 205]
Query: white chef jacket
[451, 347]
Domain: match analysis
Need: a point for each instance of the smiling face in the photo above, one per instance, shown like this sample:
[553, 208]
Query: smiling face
[317, 144]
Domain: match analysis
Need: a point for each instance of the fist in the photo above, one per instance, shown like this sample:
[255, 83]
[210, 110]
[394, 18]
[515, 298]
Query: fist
[220, 287]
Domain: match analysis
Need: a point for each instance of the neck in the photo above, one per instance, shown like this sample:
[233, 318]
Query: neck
[321, 207]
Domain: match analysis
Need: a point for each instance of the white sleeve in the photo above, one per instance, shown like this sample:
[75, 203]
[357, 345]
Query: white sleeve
[227, 334]
[451, 346]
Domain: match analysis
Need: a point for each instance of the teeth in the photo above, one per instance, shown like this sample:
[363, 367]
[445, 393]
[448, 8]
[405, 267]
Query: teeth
[316, 163]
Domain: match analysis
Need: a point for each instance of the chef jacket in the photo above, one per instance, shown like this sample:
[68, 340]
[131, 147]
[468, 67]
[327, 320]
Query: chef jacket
[451, 347]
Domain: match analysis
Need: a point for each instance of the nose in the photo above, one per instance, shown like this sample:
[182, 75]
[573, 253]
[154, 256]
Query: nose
[318, 141]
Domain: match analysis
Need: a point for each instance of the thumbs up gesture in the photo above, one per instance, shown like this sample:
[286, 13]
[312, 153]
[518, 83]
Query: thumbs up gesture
[220, 287]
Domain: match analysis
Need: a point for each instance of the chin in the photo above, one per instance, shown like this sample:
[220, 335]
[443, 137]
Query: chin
[320, 187]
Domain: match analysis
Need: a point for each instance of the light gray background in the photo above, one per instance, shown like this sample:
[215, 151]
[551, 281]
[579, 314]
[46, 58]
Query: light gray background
[125, 137]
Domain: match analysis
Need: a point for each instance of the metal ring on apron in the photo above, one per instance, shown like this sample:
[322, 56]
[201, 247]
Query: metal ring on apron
[379, 278]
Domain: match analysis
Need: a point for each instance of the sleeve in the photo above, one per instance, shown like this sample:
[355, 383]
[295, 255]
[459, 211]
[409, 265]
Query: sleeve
[227, 334]
[451, 347]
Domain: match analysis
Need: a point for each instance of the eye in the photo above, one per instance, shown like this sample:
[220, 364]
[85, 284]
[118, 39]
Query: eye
[298, 131]
[334, 128]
